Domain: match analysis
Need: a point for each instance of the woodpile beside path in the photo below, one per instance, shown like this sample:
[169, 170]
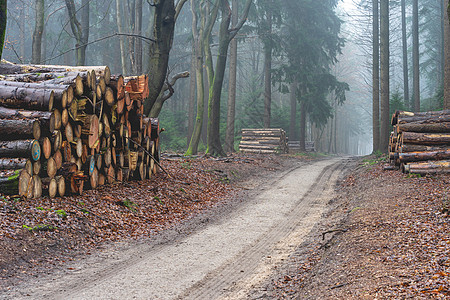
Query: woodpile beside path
[420, 142]
[268, 140]
[64, 129]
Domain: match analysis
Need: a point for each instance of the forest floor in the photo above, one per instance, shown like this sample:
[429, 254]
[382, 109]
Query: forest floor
[384, 235]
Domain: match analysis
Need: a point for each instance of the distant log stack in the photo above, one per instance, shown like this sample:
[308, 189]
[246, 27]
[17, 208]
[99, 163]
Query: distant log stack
[268, 140]
[64, 129]
[420, 142]
[294, 146]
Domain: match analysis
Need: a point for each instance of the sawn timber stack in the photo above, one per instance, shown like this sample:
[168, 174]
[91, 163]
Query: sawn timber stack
[420, 142]
[65, 128]
[268, 140]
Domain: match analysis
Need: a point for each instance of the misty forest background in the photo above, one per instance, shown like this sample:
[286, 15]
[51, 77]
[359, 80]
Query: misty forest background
[306, 66]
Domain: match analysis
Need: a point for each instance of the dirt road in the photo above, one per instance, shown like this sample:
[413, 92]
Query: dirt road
[222, 258]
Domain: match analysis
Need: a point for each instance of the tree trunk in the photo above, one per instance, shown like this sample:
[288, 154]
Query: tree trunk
[405, 56]
[375, 79]
[138, 31]
[293, 100]
[192, 93]
[12, 164]
[447, 57]
[268, 73]
[163, 31]
[302, 126]
[38, 32]
[415, 148]
[231, 112]
[415, 36]
[384, 71]
[81, 52]
[3, 10]
[119, 17]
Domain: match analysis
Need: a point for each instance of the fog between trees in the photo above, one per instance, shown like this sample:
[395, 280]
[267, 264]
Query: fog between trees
[304, 66]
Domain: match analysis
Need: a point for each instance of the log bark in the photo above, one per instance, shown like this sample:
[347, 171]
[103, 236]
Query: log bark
[443, 127]
[10, 185]
[27, 98]
[414, 148]
[422, 156]
[19, 129]
[12, 164]
[435, 167]
[425, 138]
[9, 113]
[21, 149]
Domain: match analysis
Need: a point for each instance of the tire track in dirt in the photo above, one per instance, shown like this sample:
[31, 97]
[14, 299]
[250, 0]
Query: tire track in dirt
[255, 263]
[207, 262]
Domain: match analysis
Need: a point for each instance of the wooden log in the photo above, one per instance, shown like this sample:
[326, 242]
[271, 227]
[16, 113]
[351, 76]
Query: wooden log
[422, 156]
[442, 127]
[93, 179]
[415, 148]
[12, 163]
[46, 146]
[76, 81]
[50, 185]
[61, 185]
[33, 99]
[57, 156]
[10, 184]
[405, 116]
[432, 167]
[9, 113]
[37, 187]
[90, 129]
[19, 129]
[425, 138]
[55, 120]
[36, 168]
[20, 149]
[51, 167]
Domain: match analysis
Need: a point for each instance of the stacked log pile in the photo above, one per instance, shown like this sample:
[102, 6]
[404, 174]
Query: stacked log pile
[63, 129]
[294, 146]
[420, 142]
[268, 140]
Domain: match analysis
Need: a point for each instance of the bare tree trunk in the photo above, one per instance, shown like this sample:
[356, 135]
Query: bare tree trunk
[129, 18]
[405, 56]
[214, 146]
[293, 100]
[302, 126]
[192, 93]
[79, 30]
[268, 73]
[447, 57]
[415, 34]
[384, 71]
[3, 10]
[231, 112]
[21, 34]
[38, 31]
[138, 31]
[119, 17]
[201, 45]
[376, 78]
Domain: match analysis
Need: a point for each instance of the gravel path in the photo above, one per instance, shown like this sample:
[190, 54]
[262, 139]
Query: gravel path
[223, 259]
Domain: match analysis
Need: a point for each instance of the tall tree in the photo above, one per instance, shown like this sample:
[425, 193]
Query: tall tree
[375, 77]
[405, 56]
[231, 105]
[447, 56]
[226, 34]
[36, 50]
[119, 19]
[201, 31]
[384, 75]
[138, 31]
[293, 117]
[165, 15]
[3, 8]
[79, 29]
[268, 48]
[415, 36]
